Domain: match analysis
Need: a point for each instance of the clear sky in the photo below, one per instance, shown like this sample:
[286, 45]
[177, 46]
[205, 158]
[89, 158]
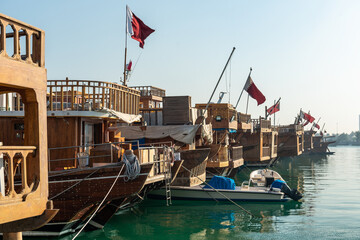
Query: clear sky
[306, 52]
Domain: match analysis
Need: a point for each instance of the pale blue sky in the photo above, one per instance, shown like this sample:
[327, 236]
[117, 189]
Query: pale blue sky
[306, 52]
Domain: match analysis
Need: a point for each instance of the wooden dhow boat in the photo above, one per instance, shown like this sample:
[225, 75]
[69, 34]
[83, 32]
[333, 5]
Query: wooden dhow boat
[77, 193]
[263, 185]
[259, 140]
[291, 140]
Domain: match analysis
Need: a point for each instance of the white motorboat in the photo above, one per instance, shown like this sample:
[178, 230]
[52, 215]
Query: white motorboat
[263, 185]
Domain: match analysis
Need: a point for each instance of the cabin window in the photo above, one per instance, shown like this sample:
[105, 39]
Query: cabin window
[218, 118]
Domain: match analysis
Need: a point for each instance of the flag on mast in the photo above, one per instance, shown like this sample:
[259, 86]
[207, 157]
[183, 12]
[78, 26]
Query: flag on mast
[128, 66]
[253, 91]
[306, 116]
[137, 28]
[316, 125]
[273, 109]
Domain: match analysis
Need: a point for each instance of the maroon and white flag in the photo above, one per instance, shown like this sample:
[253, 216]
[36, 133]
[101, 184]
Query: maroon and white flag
[128, 66]
[136, 28]
[307, 117]
[316, 125]
[253, 91]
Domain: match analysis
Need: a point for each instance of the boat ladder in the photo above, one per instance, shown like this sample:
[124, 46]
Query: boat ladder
[167, 151]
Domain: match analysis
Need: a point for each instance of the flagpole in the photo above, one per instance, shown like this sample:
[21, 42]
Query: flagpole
[266, 115]
[219, 80]
[274, 111]
[316, 123]
[126, 24]
[247, 103]
[242, 90]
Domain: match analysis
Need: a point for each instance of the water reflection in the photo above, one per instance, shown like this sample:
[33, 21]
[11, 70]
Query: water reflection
[330, 208]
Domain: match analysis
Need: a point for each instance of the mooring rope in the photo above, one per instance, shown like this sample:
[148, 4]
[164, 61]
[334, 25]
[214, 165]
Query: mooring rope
[97, 209]
[222, 194]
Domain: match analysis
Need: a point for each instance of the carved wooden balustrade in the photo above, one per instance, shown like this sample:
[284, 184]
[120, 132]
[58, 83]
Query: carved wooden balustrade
[33, 48]
[80, 95]
[34, 41]
[15, 158]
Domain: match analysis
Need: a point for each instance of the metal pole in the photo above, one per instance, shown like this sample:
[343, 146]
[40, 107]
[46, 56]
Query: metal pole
[126, 24]
[247, 103]
[316, 123]
[243, 89]
[218, 81]
[274, 112]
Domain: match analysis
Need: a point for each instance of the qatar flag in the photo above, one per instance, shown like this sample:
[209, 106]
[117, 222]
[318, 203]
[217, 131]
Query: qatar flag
[316, 125]
[253, 91]
[128, 66]
[136, 28]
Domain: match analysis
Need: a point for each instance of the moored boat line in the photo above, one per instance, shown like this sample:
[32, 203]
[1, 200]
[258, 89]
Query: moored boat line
[110, 145]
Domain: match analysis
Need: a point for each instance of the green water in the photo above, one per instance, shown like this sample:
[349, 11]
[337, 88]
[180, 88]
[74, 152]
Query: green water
[330, 208]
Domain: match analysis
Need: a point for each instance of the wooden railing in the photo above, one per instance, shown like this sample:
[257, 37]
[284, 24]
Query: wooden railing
[236, 153]
[221, 159]
[261, 123]
[290, 128]
[147, 91]
[15, 160]
[34, 41]
[81, 95]
[266, 151]
[243, 118]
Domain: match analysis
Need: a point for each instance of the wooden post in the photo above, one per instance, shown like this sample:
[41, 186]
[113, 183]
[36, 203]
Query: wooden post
[18, 101]
[7, 101]
[3, 37]
[83, 98]
[72, 97]
[62, 98]
[16, 43]
[51, 99]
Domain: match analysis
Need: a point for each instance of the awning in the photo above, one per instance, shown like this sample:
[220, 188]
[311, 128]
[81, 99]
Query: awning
[128, 118]
[181, 133]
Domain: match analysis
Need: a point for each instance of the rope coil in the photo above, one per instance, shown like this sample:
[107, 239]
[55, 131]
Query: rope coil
[132, 165]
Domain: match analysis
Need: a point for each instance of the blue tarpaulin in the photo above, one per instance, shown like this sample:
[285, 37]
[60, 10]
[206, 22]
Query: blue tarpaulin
[219, 182]
[277, 184]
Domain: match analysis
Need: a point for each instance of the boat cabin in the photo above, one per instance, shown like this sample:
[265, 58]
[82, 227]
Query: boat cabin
[224, 157]
[151, 103]
[291, 140]
[259, 142]
[309, 140]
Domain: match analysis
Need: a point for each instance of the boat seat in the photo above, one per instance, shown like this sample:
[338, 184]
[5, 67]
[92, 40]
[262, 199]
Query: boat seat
[257, 176]
[269, 181]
